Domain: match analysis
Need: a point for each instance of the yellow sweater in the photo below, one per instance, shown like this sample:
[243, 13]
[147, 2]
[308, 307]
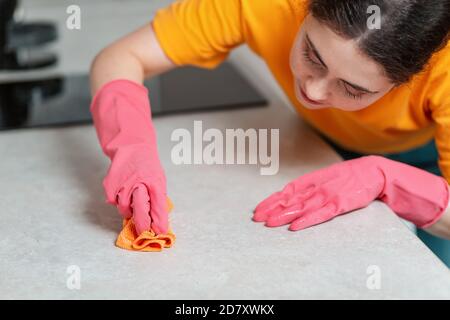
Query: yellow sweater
[202, 33]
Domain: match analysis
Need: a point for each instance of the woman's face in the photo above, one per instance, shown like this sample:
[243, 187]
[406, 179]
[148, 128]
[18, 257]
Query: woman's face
[330, 71]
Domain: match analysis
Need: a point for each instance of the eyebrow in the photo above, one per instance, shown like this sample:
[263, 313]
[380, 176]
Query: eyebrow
[316, 53]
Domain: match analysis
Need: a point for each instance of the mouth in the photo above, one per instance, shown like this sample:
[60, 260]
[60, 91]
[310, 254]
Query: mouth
[305, 97]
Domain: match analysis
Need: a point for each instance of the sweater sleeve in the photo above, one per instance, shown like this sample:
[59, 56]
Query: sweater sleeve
[439, 104]
[199, 32]
[442, 138]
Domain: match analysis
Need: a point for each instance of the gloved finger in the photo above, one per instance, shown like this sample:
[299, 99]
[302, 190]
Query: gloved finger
[123, 204]
[141, 209]
[303, 187]
[273, 202]
[289, 214]
[260, 213]
[159, 211]
[321, 215]
[285, 216]
[287, 198]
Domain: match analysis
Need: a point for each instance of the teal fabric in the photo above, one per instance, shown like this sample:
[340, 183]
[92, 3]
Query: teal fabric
[426, 158]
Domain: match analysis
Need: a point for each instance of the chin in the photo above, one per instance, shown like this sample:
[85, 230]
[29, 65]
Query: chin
[354, 109]
[313, 106]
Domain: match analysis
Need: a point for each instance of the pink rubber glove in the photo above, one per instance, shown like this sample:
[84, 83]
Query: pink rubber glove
[413, 194]
[135, 181]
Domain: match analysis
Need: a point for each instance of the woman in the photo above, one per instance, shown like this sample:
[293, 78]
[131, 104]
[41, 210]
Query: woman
[370, 89]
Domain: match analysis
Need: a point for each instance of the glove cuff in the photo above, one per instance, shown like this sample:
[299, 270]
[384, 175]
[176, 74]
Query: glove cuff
[412, 193]
[124, 86]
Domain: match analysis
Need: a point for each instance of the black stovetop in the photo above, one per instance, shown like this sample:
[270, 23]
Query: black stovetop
[65, 100]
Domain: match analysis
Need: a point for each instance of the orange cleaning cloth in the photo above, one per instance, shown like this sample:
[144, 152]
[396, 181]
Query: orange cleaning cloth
[147, 241]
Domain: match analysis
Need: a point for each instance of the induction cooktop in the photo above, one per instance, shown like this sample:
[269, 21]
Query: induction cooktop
[65, 100]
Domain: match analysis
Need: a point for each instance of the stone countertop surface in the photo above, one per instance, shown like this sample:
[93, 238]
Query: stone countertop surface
[55, 219]
[54, 216]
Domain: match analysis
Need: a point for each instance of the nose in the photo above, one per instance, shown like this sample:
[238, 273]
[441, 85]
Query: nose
[316, 89]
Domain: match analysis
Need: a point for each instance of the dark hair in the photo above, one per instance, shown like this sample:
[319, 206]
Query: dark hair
[411, 31]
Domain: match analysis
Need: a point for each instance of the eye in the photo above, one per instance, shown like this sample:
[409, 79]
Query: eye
[307, 55]
[348, 92]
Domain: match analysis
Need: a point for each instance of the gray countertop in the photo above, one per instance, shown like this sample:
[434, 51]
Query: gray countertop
[54, 217]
